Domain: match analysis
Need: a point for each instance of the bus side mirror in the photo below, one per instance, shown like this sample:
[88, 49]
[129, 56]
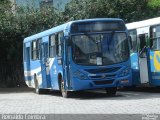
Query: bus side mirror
[130, 42]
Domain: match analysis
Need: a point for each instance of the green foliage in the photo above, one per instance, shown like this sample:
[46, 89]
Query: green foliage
[154, 6]
[129, 10]
[154, 3]
[14, 27]
[31, 21]
[25, 22]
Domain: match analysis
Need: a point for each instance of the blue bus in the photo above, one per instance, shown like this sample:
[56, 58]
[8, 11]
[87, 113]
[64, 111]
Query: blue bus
[145, 55]
[79, 55]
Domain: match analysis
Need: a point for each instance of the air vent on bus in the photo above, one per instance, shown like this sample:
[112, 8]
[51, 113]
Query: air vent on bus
[103, 82]
[103, 70]
[103, 76]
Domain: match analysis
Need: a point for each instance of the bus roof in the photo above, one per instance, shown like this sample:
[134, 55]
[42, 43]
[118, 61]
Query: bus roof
[144, 23]
[64, 27]
[46, 32]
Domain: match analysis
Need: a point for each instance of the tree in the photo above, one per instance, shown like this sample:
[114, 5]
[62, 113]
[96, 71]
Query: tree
[154, 3]
[14, 27]
[129, 10]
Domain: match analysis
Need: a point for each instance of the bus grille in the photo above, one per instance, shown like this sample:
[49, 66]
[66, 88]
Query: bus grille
[103, 82]
[102, 70]
[103, 76]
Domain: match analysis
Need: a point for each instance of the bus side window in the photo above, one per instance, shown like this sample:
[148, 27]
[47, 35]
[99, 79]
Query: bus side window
[52, 46]
[59, 47]
[133, 35]
[152, 36]
[158, 37]
[35, 49]
[155, 37]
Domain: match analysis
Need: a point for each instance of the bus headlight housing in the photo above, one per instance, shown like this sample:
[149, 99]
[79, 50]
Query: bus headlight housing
[80, 75]
[124, 72]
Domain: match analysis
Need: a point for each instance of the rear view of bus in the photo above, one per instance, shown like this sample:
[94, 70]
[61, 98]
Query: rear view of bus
[98, 55]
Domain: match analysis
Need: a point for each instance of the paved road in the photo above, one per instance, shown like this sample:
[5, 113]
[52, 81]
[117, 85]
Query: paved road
[25, 101]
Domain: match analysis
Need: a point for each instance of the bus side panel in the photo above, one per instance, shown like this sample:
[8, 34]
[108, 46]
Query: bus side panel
[135, 69]
[55, 69]
[155, 68]
[30, 69]
[26, 65]
[36, 70]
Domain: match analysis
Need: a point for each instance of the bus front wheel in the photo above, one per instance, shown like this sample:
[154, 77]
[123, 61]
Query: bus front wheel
[64, 92]
[111, 91]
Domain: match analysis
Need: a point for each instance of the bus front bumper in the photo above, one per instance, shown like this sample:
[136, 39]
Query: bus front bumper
[78, 84]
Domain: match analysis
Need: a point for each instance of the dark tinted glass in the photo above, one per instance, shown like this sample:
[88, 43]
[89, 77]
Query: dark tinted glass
[82, 27]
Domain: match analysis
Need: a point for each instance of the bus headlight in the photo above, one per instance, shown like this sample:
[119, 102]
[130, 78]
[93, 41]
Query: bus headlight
[124, 72]
[80, 75]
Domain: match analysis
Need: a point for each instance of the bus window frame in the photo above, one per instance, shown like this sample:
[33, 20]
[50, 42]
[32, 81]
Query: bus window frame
[136, 48]
[52, 47]
[36, 50]
[58, 44]
[153, 38]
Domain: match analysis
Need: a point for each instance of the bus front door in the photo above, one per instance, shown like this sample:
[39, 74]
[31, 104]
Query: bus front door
[143, 65]
[45, 65]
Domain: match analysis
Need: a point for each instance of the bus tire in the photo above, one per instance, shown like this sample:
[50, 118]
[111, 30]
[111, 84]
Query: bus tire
[111, 91]
[65, 93]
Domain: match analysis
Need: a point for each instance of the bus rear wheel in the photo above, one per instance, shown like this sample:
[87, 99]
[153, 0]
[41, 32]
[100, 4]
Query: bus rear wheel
[65, 93]
[111, 91]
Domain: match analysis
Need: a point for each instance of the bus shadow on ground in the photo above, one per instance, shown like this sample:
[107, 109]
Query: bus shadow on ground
[16, 90]
[122, 94]
[87, 94]
[142, 89]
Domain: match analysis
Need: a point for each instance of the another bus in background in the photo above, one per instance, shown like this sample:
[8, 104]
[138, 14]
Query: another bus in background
[145, 55]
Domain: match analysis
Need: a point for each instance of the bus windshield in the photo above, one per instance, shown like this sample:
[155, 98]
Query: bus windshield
[100, 49]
